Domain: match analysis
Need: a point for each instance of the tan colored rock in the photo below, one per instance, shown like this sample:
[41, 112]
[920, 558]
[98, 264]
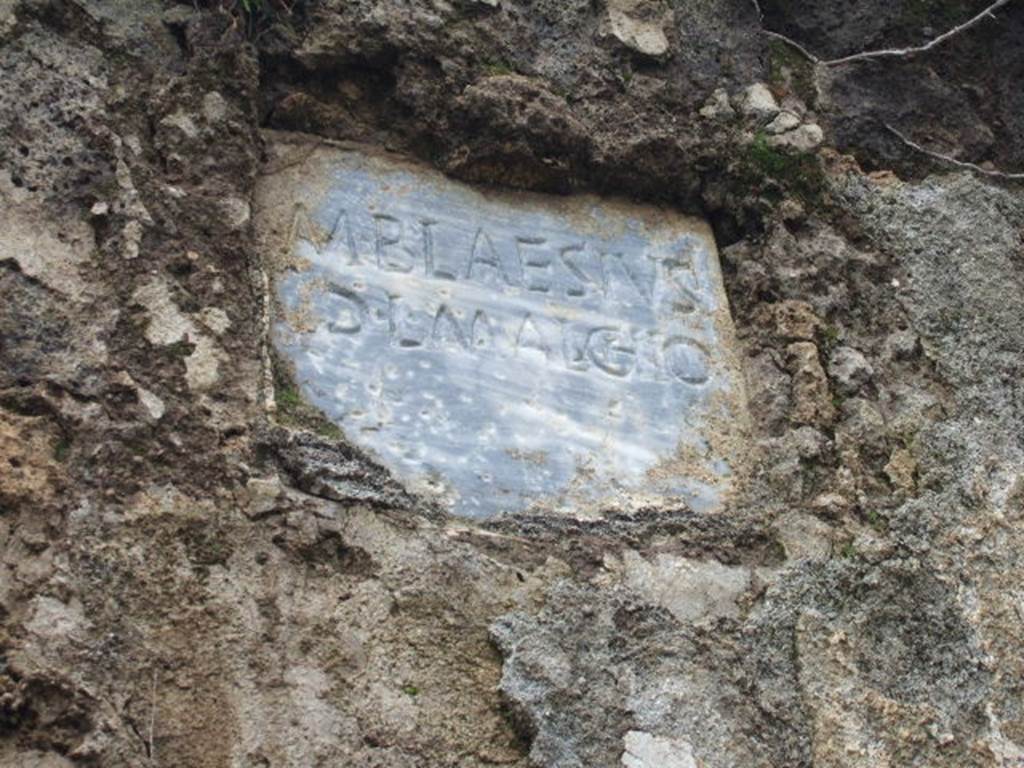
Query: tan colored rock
[843, 733]
[758, 102]
[862, 431]
[804, 537]
[28, 448]
[202, 367]
[831, 504]
[812, 403]
[215, 108]
[131, 235]
[215, 319]
[168, 325]
[639, 25]
[805, 138]
[789, 320]
[263, 495]
[153, 404]
[901, 470]
[795, 320]
[53, 252]
[784, 121]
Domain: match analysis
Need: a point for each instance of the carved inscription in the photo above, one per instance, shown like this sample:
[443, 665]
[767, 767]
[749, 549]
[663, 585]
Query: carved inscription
[570, 303]
[505, 351]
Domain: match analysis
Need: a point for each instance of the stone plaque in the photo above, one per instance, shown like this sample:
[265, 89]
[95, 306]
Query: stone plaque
[502, 351]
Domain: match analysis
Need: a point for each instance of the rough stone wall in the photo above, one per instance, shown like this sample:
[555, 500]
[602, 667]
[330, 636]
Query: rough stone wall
[189, 579]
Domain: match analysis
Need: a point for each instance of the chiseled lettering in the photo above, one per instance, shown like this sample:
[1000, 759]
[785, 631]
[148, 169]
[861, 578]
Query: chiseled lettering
[529, 337]
[351, 312]
[407, 327]
[611, 350]
[446, 329]
[536, 266]
[484, 252]
[481, 332]
[643, 285]
[428, 246]
[387, 235]
[304, 229]
[574, 347]
[342, 237]
[677, 269]
[686, 359]
[567, 257]
[515, 323]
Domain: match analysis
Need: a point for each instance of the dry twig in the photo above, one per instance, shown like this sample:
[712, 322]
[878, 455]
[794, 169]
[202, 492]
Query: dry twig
[903, 53]
[793, 44]
[906, 52]
[899, 53]
[952, 160]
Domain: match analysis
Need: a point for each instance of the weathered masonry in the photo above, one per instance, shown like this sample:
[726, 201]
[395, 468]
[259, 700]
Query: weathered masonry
[505, 351]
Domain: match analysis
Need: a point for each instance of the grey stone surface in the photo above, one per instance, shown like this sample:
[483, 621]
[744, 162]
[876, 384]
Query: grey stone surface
[642, 750]
[504, 351]
[849, 369]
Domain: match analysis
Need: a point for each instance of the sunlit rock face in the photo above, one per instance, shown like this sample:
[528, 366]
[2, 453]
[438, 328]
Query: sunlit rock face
[504, 352]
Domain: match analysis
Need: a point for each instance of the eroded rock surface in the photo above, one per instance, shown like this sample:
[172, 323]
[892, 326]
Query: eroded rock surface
[198, 568]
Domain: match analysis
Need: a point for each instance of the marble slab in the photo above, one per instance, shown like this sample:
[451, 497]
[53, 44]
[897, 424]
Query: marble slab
[504, 352]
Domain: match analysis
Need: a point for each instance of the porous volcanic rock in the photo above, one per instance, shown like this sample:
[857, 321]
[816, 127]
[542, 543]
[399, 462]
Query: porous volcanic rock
[197, 568]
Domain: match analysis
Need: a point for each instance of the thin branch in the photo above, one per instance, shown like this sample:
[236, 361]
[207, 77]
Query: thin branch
[989, 12]
[952, 160]
[793, 44]
[787, 40]
[900, 53]
[905, 52]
